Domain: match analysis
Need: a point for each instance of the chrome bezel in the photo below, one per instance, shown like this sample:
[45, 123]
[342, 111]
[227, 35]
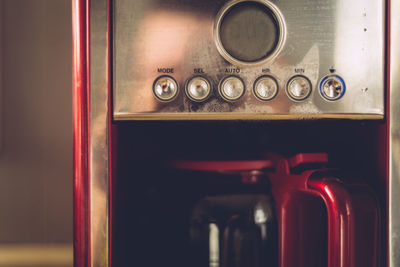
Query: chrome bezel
[294, 98]
[224, 96]
[336, 78]
[255, 86]
[157, 96]
[281, 38]
[202, 78]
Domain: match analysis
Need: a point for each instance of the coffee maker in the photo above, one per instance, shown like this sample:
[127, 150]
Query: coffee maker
[170, 95]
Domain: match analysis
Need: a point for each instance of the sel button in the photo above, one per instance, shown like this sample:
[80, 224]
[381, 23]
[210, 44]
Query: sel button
[198, 89]
[165, 88]
[231, 88]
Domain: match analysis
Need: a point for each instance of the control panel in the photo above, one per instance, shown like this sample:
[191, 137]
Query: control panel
[248, 59]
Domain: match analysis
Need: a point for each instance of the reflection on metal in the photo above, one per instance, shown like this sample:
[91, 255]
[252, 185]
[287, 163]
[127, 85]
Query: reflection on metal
[80, 135]
[1, 83]
[51, 254]
[214, 245]
[246, 116]
[394, 141]
[175, 37]
[198, 88]
[99, 176]
[260, 216]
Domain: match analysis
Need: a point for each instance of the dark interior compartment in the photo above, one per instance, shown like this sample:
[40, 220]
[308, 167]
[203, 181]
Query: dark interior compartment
[152, 204]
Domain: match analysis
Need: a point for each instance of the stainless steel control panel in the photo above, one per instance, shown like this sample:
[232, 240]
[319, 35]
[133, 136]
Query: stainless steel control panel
[248, 59]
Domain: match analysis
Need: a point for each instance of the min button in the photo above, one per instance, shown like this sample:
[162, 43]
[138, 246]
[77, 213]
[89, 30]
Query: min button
[299, 88]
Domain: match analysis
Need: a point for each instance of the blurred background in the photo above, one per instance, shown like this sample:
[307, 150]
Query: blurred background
[36, 133]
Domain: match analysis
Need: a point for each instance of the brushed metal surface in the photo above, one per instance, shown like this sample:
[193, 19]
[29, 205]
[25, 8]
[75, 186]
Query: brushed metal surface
[99, 150]
[321, 36]
[394, 136]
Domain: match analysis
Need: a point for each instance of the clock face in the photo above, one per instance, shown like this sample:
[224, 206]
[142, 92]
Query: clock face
[249, 31]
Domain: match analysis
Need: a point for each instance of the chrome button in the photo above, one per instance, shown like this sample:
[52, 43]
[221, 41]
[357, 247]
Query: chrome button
[332, 87]
[232, 88]
[165, 88]
[265, 88]
[198, 89]
[299, 88]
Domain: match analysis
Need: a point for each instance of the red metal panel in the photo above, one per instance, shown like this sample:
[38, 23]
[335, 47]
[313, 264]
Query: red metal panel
[81, 134]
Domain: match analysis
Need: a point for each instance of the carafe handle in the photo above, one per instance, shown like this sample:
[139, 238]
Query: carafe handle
[353, 222]
[352, 213]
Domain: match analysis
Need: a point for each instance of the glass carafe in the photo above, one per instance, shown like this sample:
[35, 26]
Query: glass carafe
[236, 227]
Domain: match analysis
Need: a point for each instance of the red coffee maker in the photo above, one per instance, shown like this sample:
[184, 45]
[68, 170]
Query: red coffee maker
[185, 107]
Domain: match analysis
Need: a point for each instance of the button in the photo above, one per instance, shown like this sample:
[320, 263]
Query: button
[332, 87]
[299, 88]
[265, 88]
[198, 88]
[165, 88]
[231, 88]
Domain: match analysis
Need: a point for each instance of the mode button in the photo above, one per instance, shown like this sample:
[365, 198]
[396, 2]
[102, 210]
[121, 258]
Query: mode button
[165, 88]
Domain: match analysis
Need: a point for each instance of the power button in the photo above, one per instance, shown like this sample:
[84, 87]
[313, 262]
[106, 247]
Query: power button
[332, 87]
